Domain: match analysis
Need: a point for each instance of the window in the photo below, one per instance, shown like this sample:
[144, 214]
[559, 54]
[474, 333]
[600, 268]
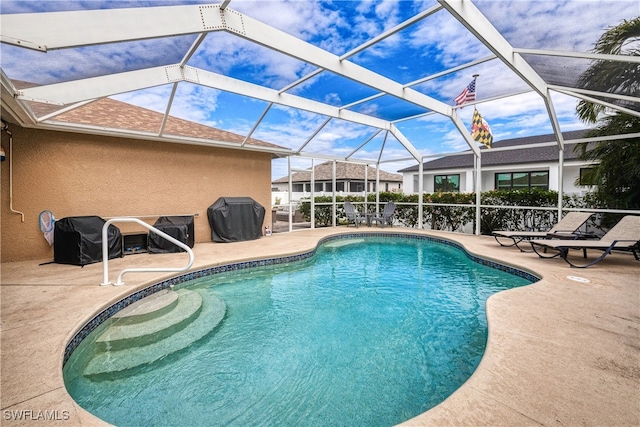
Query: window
[297, 188]
[522, 180]
[585, 178]
[446, 184]
[339, 186]
[318, 186]
[356, 186]
[329, 186]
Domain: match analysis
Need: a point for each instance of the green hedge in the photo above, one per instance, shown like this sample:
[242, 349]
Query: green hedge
[454, 218]
[518, 219]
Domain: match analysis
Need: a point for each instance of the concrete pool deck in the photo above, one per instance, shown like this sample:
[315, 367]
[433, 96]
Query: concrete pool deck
[560, 352]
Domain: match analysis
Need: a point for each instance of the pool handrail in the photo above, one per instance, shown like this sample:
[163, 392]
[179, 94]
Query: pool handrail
[105, 252]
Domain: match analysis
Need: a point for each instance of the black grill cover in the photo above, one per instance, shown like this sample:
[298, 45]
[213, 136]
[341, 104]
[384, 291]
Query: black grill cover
[234, 219]
[178, 227]
[77, 240]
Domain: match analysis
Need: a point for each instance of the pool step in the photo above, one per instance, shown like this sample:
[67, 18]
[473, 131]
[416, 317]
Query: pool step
[137, 330]
[124, 356]
[147, 308]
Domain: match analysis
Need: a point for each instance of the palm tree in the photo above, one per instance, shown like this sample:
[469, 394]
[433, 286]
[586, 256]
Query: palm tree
[617, 169]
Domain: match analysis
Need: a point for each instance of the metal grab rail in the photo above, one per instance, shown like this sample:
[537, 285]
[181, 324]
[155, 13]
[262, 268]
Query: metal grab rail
[105, 252]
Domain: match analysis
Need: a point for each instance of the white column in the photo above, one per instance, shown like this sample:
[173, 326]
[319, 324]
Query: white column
[333, 202]
[478, 161]
[420, 192]
[560, 179]
[290, 195]
[366, 185]
[378, 181]
[313, 195]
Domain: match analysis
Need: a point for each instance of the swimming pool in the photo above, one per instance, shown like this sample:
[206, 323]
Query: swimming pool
[369, 331]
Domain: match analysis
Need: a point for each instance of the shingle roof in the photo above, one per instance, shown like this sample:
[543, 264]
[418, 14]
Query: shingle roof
[508, 157]
[348, 171]
[110, 113]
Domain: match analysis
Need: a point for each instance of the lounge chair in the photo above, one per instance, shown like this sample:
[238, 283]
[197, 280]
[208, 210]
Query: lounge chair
[624, 236]
[566, 228]
[386, 217]
[353, 214]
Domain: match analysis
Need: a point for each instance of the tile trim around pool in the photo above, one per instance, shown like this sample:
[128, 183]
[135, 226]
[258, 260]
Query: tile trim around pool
[166, 284]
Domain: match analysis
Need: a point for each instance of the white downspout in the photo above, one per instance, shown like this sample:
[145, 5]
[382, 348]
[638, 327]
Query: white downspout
[5, 127]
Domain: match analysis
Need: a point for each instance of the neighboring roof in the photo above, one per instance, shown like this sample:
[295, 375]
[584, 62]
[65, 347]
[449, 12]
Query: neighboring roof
[110, 113]
[344, 171]
[509, 157]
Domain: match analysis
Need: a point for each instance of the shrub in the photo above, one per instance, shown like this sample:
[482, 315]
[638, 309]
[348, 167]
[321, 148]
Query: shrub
[439, 216]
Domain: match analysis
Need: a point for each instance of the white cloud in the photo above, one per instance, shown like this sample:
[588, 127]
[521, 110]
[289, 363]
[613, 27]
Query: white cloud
[534, 24]
[289, 128]
[155, 98]
[445, 39]
[229, 55]
[453, 141]
[298, 18]
[75, 63]
[195, 103]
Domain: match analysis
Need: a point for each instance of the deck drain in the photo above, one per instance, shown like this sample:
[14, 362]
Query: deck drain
[578, 279]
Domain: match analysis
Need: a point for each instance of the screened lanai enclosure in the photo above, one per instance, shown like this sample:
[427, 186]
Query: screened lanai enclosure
[388, 84]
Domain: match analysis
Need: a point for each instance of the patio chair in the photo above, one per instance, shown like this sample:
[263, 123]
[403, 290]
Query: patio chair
[386, 216]
[566, 228]
[353, 214]
[624, 236]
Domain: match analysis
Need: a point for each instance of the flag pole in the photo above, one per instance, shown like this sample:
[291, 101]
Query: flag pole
[475, 78]
[478, 170]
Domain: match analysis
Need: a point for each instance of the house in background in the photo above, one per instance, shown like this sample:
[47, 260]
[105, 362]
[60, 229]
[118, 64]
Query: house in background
[517, 168]
[350, 179]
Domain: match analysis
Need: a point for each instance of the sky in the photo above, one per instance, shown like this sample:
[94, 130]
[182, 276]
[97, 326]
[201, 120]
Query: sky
[432, 45]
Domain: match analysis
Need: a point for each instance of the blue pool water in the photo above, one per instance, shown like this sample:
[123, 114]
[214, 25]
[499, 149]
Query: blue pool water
[369, 331]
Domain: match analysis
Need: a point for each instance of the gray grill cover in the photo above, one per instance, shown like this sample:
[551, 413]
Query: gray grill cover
[234, 219]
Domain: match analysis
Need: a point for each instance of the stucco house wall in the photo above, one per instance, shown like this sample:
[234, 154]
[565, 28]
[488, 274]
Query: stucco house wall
[74, 174]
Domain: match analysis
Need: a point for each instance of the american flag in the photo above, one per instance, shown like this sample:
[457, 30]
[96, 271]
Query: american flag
[468, 94]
